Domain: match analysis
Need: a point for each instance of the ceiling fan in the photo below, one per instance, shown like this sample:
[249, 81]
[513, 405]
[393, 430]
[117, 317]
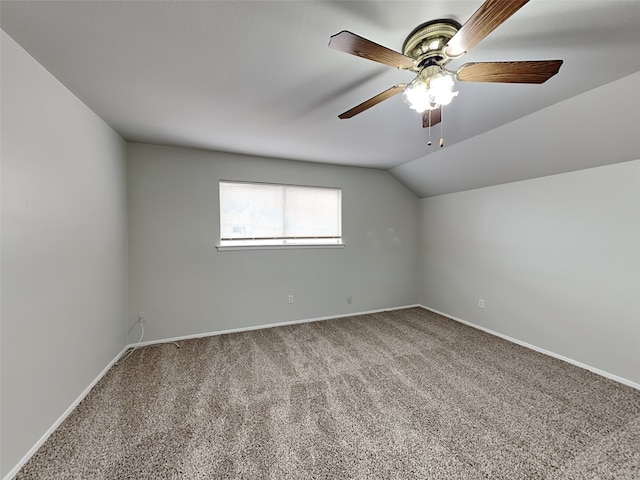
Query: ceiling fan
[427, 50]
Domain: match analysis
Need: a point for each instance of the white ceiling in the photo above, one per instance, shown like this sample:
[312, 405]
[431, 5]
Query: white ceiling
[257, 77]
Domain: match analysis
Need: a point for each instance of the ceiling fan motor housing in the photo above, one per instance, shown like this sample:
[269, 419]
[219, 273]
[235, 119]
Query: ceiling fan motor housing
[426, 42]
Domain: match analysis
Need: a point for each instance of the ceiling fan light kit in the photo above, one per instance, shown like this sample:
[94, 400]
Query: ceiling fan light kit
[427, 50]
[430, 90]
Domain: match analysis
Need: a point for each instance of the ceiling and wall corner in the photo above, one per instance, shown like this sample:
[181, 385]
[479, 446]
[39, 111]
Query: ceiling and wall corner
[258, 78]
[571, 135]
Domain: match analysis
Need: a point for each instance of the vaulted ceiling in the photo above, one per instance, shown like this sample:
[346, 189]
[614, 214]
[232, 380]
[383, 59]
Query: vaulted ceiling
[257, 77]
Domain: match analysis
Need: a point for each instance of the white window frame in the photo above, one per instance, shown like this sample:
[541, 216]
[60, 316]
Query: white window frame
[280, 242]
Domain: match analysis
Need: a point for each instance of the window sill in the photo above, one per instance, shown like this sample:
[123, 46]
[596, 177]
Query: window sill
[227, 248]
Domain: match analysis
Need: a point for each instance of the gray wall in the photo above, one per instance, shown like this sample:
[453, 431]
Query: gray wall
[185, 286]
[556, 259]
[63, 250]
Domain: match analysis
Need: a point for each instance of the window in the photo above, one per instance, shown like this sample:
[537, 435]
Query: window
[263, 214]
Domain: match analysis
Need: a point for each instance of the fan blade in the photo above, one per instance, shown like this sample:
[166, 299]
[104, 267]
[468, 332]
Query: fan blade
[485, 20]
[436, 117]
[355, 45]
[535, 71]
[389, 92]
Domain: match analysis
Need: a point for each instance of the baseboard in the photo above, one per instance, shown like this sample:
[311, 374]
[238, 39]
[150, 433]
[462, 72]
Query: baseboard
[261, 327]
[14, 471]
[598, 371]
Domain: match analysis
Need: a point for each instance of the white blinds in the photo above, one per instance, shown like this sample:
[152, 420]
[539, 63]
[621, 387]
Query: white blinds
[260, 211]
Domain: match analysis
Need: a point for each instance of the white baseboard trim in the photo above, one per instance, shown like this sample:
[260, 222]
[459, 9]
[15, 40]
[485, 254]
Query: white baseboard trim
[14, 471]
[261, 327]
[602, 373]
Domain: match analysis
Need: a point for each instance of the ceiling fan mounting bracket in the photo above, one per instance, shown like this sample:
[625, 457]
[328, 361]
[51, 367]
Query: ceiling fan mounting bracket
[426, 42]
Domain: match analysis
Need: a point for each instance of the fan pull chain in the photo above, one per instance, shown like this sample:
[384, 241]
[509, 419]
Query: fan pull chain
[429, 142]
[441, 124]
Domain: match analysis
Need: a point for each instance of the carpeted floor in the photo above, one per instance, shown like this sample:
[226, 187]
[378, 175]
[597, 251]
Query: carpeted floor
[396, 395]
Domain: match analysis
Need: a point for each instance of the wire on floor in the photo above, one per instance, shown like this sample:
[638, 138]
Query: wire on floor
[141, 322]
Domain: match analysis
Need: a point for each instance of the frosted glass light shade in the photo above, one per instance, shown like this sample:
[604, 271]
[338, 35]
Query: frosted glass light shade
[429, 94]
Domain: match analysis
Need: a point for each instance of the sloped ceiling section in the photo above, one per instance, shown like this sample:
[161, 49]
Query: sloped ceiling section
[599, 127]
[257, 77]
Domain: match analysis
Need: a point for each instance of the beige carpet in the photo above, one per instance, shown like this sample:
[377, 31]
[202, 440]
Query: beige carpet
[396, 395]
